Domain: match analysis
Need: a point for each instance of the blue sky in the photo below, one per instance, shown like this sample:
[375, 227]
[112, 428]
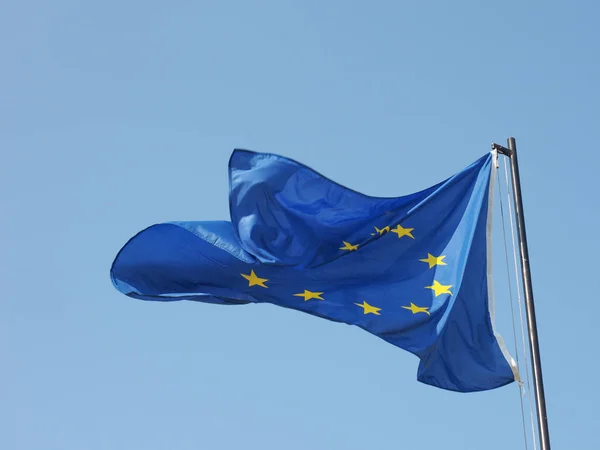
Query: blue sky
[117, 115]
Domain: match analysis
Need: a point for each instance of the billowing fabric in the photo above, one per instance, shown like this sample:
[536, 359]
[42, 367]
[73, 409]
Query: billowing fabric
[412, 270]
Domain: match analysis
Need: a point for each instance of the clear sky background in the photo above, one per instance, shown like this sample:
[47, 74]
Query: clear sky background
[115, 115]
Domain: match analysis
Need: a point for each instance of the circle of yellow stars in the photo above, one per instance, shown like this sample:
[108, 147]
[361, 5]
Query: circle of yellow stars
[431, 260]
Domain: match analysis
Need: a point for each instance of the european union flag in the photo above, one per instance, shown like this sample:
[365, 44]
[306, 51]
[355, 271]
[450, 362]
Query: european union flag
[413, 270]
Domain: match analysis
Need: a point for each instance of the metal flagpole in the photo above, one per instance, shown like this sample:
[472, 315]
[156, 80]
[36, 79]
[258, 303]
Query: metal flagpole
[538, 383]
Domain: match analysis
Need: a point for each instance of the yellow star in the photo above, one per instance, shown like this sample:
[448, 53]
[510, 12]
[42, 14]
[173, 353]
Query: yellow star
[253, 280]
[348, 246]
[417, 309]
[383, 230]
[439, 289]
[401, 231]
[310, 295]
[368, 309]
[434, 260]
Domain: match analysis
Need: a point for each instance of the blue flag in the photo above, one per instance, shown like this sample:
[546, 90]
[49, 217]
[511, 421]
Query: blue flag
[413, 270]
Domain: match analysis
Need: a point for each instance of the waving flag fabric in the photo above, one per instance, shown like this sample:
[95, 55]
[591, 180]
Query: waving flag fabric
[412, 270]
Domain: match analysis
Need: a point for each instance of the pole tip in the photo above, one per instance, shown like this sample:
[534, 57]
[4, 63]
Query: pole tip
[512, 144]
